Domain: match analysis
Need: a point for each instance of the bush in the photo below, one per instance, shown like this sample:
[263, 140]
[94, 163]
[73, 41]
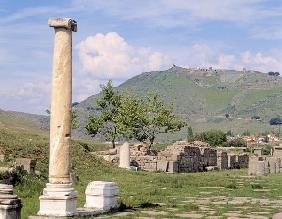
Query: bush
[271, 73]
[275, 121]
[246, 133]
[235, 143]
[213, 137]
[267, 150]
[13, 176]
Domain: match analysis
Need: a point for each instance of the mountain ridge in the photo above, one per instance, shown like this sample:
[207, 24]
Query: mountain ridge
[205, 98]
[208, 98]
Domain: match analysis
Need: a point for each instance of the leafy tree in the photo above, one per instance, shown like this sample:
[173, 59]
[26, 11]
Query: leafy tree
[105, 122]
[131, 116]
[213, 137]
[275, 121]
[271, 73]
[145, 119]
[190, 135]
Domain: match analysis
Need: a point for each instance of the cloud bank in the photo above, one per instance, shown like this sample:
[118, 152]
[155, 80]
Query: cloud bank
[109, 56]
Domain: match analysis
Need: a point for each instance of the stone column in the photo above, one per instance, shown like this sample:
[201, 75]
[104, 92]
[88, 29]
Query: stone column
[124, 156]
[59, 198]
[10, 204]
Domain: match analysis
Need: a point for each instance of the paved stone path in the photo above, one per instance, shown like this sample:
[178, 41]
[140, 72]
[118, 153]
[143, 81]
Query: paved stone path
[208, 204]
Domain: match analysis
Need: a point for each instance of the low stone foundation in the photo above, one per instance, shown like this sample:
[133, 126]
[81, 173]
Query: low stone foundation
[181, 157]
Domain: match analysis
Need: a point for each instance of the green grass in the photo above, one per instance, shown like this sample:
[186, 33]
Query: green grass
[142, 190]
[217, 99]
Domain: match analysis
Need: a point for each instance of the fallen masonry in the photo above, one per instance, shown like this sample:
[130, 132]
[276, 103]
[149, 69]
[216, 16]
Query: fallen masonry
[180, 157]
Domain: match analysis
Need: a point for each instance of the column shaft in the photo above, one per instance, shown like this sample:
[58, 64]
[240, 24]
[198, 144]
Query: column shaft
[61, 106]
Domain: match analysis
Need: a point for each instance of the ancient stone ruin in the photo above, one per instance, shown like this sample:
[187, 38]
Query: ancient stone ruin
[26, 164]
[260, 165]
[10, 204]
[181, 157]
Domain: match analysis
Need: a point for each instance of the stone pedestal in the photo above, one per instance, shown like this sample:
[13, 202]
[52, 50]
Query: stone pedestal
[124, 156]
[101, 195]
[58, 200]
[10, 204]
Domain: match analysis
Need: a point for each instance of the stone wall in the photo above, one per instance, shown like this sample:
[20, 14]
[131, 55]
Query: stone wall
[182, 157]
[261, 166]
[27, 164]
[264, 165]
[237, 161]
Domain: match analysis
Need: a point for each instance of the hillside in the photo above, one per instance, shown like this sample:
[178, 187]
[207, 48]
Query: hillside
[204, 97]
[18, 121]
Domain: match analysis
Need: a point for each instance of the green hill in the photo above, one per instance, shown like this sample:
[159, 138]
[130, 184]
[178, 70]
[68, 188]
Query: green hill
[23, 122]
[206, 97]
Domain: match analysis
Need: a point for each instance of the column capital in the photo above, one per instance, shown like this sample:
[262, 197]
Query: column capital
[67, 23]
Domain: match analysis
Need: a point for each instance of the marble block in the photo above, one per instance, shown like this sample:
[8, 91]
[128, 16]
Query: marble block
[58, 200]
[101, 195]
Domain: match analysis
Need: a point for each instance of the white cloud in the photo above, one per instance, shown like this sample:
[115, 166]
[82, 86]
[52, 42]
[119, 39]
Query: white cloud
[203, 55]
[83, 88]
[109, 56]
[226, 61]
[28, 96]
[262, 62]
[32, 90]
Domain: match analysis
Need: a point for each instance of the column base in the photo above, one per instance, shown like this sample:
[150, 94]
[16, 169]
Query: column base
[58, 200]
[10, 204]
[10, 212]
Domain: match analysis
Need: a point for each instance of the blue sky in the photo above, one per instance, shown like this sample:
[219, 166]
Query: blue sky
[119, 39]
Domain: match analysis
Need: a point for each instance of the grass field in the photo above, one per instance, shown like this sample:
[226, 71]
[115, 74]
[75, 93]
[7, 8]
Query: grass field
[151, 194]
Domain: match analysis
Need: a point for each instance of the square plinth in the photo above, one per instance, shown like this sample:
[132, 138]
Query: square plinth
[54, 206]
[58, 200]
